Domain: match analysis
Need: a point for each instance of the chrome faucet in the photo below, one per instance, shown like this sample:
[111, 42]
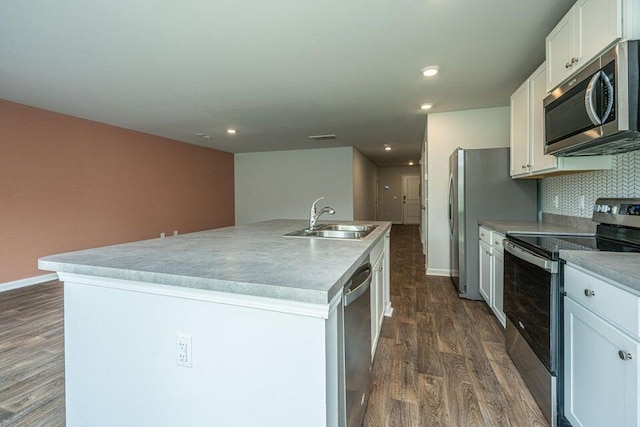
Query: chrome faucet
[314, 214]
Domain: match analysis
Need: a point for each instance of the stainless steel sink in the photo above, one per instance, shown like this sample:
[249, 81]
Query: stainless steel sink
[336, 231]
[349, 227]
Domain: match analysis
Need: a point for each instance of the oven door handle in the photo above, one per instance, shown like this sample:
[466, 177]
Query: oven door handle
[530, 257]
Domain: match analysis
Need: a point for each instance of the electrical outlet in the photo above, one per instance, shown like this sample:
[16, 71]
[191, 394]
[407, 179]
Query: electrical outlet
[162, 235]
[581, 202]
[183, 350]
[175, 232]
[556, 201]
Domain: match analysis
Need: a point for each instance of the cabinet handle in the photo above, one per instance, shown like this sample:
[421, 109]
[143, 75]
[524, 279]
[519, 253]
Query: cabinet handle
[528, 165]
[589, 293]
[567, 65]
[482, 234]
[497, 242]
[624, 355]
[524, 166]
[487, 252]
[574, 60]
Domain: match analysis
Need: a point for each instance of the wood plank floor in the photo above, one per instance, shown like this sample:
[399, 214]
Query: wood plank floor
[32, 356]
[440, 361]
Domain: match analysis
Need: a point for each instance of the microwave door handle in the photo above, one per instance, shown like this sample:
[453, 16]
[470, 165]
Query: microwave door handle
[609, 89]
[588, 100]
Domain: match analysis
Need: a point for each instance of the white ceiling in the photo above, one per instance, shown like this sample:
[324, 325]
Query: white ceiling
[277, 70]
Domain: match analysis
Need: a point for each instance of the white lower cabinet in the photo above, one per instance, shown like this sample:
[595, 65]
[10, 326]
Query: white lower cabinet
[601, 360]
[484, 269]
[491, 271]
[497, 264]
[377, 301]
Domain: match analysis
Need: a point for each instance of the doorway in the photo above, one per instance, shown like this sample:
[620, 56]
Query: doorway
[411, 211]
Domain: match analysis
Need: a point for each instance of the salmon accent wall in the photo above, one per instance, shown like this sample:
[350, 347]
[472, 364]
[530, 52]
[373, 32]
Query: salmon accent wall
[67, 184]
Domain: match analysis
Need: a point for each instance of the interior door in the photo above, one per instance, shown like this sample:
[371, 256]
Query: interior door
[411, 199]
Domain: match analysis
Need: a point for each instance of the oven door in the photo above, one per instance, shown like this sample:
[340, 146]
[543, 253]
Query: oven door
[530, 303]
[531, 338]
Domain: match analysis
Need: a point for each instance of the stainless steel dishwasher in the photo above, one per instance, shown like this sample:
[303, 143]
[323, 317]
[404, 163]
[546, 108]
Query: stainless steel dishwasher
[356, 301]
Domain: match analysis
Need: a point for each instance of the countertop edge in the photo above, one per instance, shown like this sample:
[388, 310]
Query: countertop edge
[610, 266]
[531, 227]
[290, 293]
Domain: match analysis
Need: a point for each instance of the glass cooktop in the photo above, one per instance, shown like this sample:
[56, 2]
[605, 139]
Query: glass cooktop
[550, 245]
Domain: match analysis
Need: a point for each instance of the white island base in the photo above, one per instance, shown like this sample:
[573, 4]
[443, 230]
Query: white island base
[254, 361]
[273, 364]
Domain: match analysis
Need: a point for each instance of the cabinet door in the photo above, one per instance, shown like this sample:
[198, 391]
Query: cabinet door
[538, 91]
[485, 272]
[598, 25]
[377, 302]
[601, 388]
[560, 49]
[497, 286]
[520, 130]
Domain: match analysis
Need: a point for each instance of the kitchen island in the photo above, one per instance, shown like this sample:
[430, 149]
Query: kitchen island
[256, 317]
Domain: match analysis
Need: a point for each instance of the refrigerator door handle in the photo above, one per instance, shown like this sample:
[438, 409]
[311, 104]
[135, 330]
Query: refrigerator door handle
[451, 205]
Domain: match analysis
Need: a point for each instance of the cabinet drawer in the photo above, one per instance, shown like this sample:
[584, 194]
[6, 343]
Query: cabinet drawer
[485, 235]
[609, 301]
[496, 241]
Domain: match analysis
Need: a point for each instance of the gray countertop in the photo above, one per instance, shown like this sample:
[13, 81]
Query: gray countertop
[532, 227]
[623, 268]
[252, 259]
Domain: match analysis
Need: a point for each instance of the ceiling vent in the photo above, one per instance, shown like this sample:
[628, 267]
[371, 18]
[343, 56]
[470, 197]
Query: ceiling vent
[321, 138]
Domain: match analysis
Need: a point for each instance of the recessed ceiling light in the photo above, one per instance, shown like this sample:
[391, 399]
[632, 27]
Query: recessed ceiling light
[430, 71]
[203, 135]
[426, 106]
[410, 163]
[231, 131]
[387, 147]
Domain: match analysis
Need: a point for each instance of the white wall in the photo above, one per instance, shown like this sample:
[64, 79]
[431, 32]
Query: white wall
[484, 128]
[365, 175]
[391, 199]
[424, 224]
[283, 184]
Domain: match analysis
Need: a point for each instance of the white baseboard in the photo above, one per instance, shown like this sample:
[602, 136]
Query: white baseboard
[438, 272]
[7, 286]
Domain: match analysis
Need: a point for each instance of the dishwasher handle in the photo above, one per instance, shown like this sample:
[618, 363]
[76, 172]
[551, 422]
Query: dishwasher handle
[350, 294]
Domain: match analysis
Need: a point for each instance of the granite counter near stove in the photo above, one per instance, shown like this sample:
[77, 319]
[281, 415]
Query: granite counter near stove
[532, 227]
[623, 269]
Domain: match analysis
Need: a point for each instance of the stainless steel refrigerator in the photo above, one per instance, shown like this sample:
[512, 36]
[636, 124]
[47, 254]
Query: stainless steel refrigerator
[480, 188]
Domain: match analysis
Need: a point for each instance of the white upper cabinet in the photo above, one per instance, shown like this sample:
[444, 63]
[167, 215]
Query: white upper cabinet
[585, 31]
[598, 25]
[520, 130]
[560, 45]
[527, 136]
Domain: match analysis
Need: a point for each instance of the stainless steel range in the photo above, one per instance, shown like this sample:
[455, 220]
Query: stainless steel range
[533, 292]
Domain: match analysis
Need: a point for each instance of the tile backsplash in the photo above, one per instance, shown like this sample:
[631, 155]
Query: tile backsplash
[622, 180]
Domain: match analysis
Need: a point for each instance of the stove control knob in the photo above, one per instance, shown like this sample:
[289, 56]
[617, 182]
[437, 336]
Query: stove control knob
[605, 208]
[596, 208]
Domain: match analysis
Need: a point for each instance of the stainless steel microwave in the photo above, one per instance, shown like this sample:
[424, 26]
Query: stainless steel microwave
[596, 111]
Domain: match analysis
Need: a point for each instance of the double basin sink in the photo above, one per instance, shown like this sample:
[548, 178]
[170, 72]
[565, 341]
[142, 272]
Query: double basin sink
[336, 231]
